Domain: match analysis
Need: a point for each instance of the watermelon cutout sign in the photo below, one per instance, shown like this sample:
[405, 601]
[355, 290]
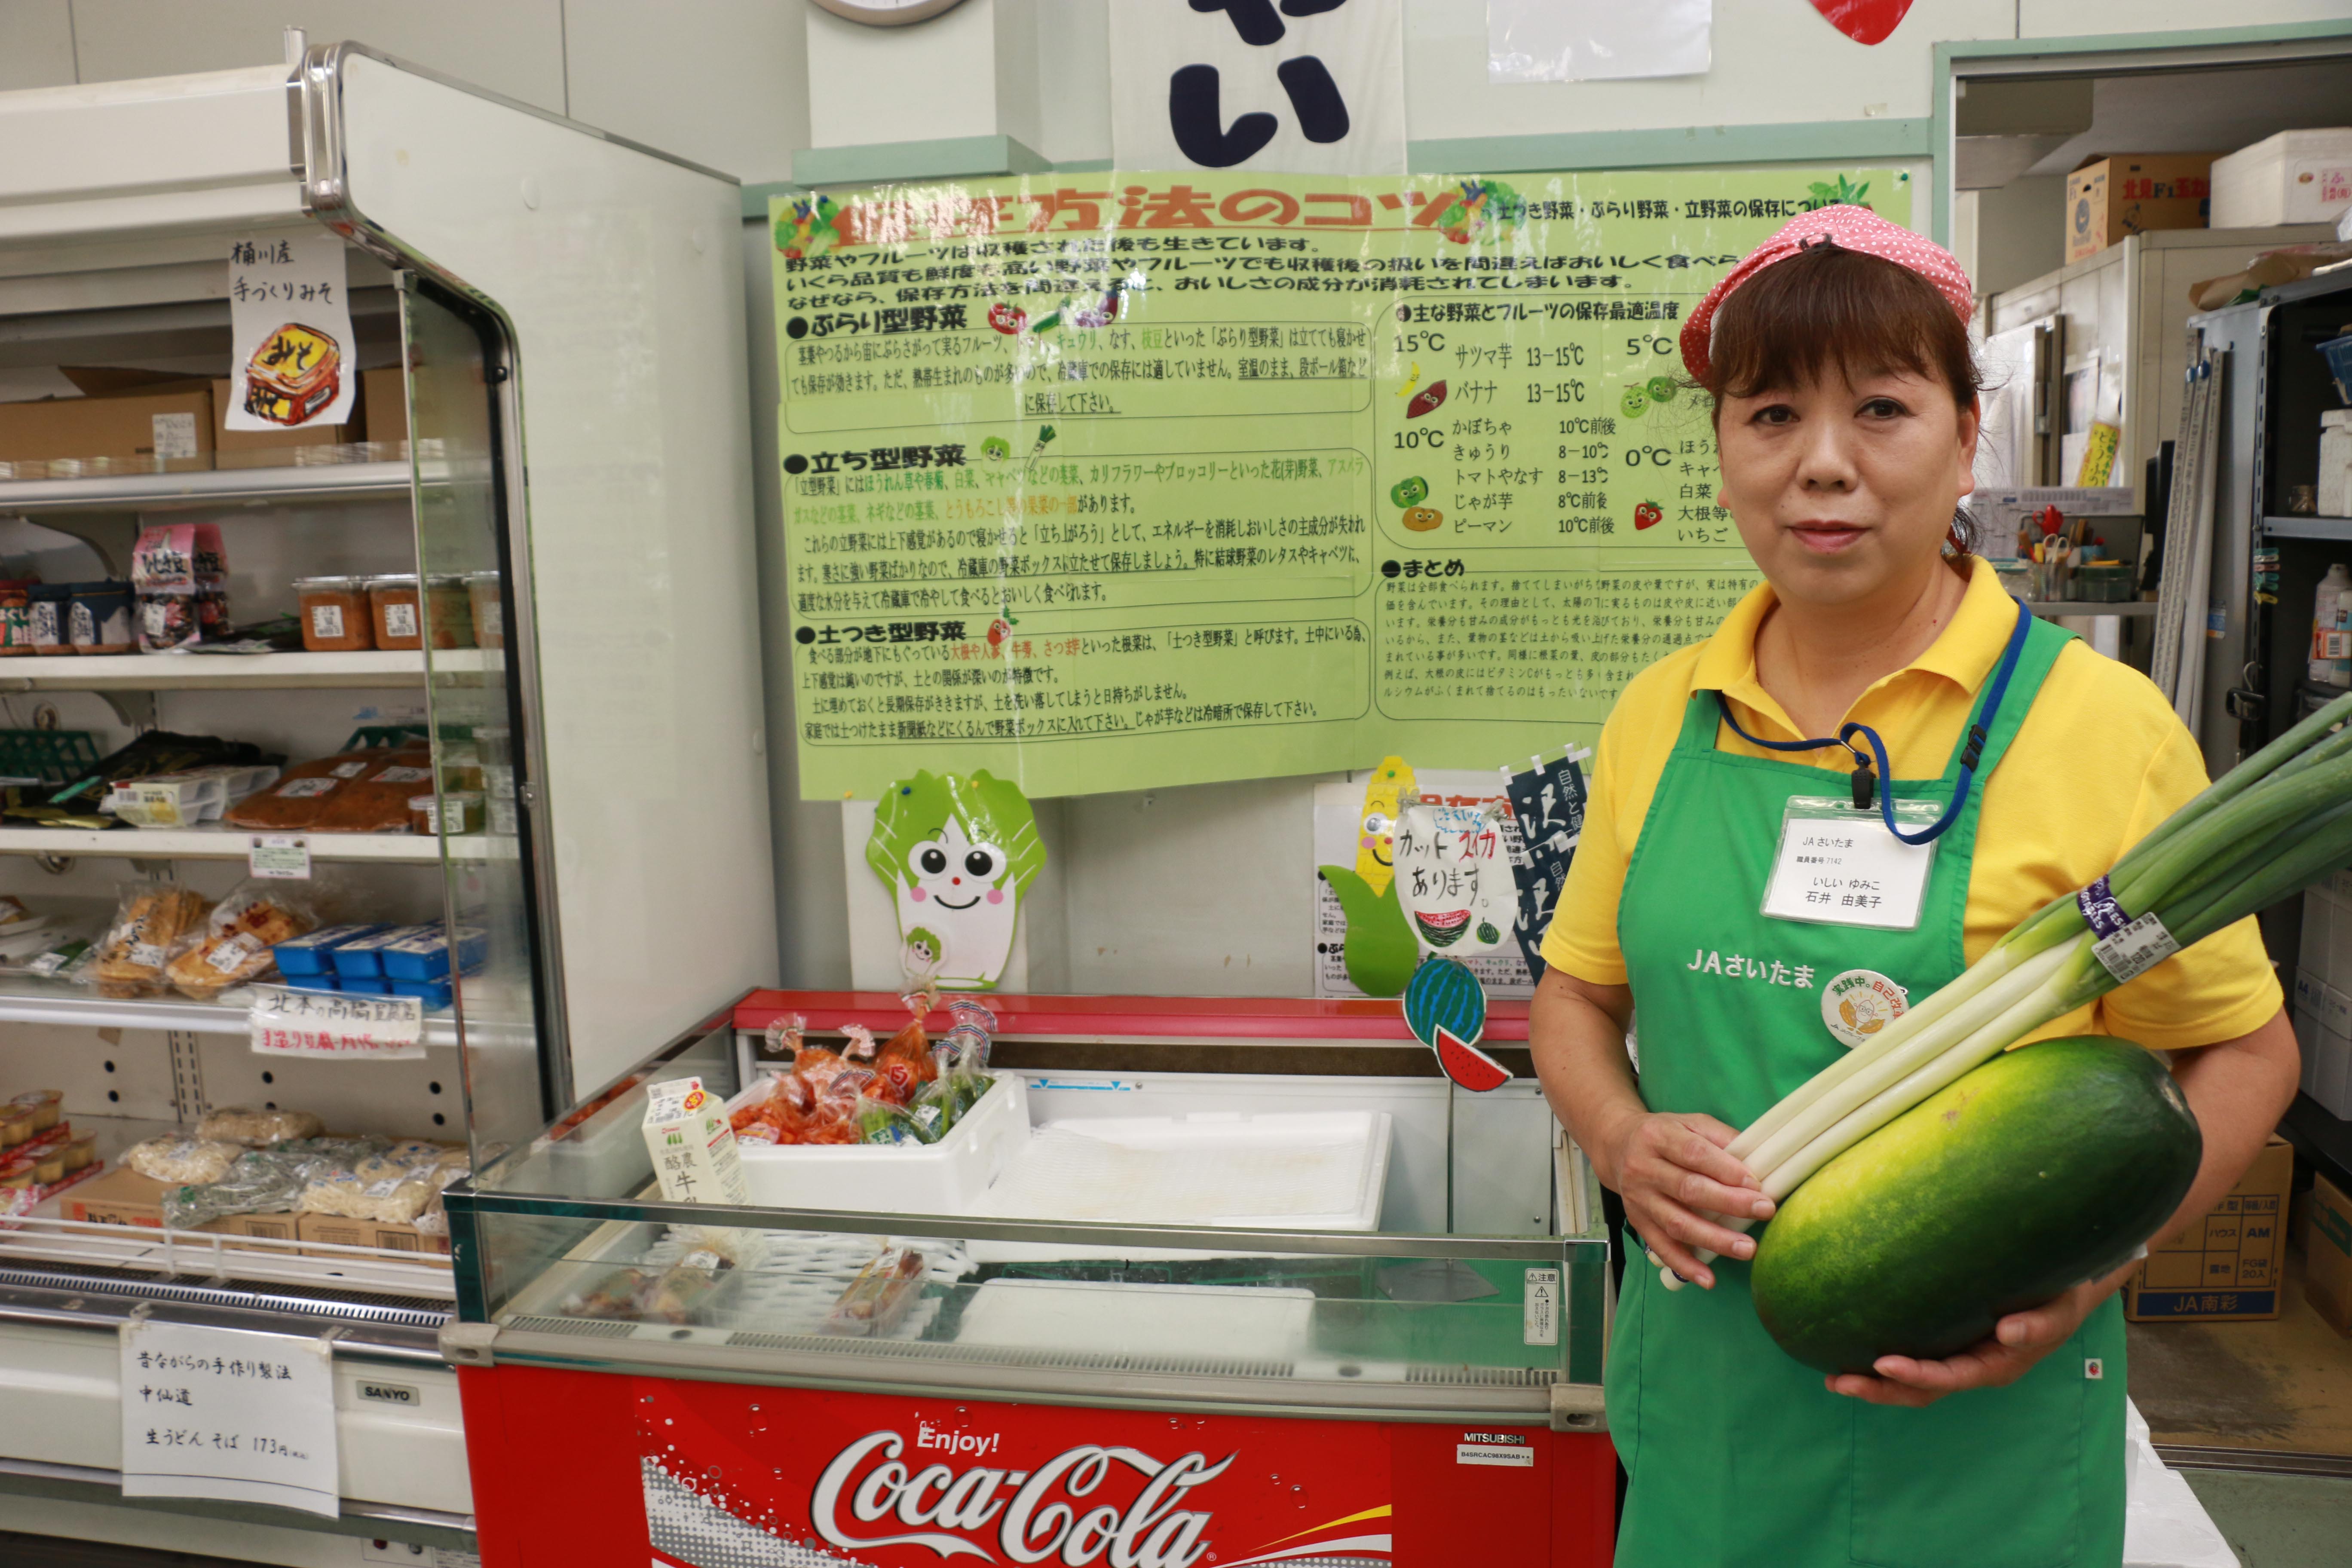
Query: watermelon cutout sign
[1445, 1009]
[1863, 21]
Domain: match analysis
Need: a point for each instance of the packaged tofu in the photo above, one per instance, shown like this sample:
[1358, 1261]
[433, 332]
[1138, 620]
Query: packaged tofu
[692, 1145]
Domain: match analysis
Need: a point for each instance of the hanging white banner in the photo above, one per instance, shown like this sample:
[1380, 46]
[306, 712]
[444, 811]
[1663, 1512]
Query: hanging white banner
[1594, 40]
[291, 333]
[1315, 87]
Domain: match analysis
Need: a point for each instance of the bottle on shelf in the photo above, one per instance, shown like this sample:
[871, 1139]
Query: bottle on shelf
[2327, 665]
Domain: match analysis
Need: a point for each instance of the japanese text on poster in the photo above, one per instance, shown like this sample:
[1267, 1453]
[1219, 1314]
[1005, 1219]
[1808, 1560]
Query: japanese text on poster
[228, 1413]
[1118, 480]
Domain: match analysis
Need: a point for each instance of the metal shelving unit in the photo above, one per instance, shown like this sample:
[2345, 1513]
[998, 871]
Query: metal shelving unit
[231, 672]
[2332, 527]
[235, 844]
[211, 488]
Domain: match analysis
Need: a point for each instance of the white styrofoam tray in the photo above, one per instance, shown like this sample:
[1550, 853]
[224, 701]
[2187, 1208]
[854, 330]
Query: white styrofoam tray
[946, 1178]
[1286, 1171]
[1161, 1322]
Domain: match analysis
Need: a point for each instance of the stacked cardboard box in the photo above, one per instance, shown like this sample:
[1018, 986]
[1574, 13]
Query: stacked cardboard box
[2322, 1004]
[2226, 1265]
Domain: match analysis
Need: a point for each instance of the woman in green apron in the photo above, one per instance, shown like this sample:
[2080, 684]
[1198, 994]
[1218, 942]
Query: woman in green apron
[1845, 414]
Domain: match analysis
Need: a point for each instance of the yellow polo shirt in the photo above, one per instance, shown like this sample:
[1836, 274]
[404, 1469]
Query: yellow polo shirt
[2100, 760]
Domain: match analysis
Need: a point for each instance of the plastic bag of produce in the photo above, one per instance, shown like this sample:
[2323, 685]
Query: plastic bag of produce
[884, 1121]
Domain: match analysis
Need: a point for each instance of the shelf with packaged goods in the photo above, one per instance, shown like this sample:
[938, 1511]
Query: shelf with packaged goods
[222, 672]
[210, 843]
[215, 488]
[25, 999]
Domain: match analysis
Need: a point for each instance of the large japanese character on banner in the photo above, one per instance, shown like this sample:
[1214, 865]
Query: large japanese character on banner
[1298, 86]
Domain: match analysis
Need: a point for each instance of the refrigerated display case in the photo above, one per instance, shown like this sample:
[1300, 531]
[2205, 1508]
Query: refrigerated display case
[1059, 1373]
[552, 319]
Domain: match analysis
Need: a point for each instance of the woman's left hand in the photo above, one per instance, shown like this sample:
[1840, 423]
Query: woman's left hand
[2017, 1342]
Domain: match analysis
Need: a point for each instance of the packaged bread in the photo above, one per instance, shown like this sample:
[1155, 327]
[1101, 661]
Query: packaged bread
[258, 1129]
[353, 791]
[179, 1159]
[239, 934]
[396, 1199]
[153, 923]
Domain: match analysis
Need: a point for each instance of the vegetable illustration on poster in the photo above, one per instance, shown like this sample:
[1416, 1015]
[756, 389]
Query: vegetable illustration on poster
[290, 333]
[958, 854]
[1312, 87]
[1377, 949]
[1339, 467]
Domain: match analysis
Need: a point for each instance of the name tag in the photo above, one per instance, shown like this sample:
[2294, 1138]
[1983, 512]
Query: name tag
[1838, 866]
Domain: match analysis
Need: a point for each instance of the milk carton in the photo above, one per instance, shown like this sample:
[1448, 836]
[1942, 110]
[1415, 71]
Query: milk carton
[693, 1145]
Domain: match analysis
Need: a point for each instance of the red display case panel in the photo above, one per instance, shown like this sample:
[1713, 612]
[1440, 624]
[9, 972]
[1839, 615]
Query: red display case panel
[593, 1469]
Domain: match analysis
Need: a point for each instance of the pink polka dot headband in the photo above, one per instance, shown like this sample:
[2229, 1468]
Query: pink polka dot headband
[1849, 228]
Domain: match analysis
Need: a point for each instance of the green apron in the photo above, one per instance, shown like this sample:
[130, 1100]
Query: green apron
[1736, 1454]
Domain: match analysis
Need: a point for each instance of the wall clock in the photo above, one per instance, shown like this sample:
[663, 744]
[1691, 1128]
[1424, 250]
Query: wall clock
[887, 13]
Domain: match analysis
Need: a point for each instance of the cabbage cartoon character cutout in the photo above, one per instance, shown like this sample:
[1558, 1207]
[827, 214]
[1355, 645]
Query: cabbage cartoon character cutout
[958, 854]
[1454, 877]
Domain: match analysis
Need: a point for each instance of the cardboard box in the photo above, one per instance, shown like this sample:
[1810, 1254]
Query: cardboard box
[123, 1196]
[2128, 193]
[2226, 1267]
[227, 440]
[335, 1230]
[268, 1226]
[2327, 1255]
[386, 400]
[173, 425]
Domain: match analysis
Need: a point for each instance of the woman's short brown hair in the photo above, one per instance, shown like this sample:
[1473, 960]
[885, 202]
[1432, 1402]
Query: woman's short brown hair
[1830, 307]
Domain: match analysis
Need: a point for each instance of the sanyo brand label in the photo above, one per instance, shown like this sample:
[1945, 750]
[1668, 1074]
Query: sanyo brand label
[389, 1394]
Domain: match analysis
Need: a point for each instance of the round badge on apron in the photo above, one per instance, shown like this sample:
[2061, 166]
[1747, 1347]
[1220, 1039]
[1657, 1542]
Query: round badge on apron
[1859, 1002]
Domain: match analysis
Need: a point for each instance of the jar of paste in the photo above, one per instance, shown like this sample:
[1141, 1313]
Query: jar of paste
[396, 609]
[489, 609]
[450, 611]
[335, 617]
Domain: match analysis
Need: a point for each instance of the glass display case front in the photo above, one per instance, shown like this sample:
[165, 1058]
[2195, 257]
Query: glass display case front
[1203, 1225]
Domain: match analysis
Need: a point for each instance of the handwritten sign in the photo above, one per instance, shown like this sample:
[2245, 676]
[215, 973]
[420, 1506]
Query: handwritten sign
[284, 1022]
[228, 1413]
[290, 333]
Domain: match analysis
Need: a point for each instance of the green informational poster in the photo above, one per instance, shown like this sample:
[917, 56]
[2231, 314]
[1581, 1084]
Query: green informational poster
[1102, 481]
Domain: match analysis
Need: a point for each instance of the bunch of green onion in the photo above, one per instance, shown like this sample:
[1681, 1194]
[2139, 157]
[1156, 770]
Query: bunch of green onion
[2276, 823]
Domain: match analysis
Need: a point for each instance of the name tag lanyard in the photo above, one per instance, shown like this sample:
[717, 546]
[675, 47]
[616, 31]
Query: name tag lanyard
[1864, 783]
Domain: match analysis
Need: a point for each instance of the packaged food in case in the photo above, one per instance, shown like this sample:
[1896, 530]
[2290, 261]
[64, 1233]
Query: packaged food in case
[45, 1104]
[365, 791]
[177, 1158]
[688, 1133]
[153, 923]
[241, 932]
[879, 1298]
[258, 1129]
[302, 959]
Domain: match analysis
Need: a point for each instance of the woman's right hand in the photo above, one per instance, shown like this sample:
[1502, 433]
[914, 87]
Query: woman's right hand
[1678, 1179]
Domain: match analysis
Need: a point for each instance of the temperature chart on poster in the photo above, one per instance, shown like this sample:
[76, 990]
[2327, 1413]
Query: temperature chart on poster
[1111, 480]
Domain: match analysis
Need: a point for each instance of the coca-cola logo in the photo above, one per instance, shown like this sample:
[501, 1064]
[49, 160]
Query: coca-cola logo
[1029, 1516]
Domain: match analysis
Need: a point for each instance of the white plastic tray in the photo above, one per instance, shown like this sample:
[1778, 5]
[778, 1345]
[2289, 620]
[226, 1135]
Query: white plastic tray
[947, 1177]
[1300, 1171]
[1157, 1321]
